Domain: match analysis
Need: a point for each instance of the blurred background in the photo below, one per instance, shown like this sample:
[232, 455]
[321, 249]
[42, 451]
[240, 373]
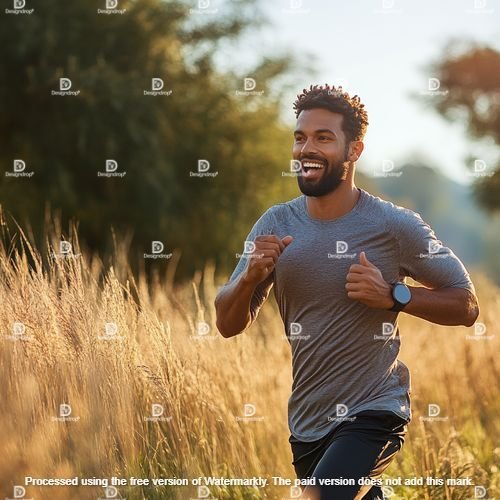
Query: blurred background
[428, 72]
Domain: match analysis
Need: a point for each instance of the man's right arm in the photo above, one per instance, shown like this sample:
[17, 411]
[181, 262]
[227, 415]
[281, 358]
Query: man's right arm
[238, 302]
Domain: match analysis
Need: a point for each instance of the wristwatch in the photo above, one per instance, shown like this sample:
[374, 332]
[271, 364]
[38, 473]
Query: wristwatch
[401, 295]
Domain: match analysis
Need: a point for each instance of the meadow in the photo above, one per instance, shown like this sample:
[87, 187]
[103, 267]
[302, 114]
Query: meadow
[150, 389]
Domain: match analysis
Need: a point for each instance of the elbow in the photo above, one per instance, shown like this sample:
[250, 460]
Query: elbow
[226, 332]
[222, 327]
[219, 323]
[471, 317]
[472, 312]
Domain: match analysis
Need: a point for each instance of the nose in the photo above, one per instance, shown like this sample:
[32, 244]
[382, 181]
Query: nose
[307, 148]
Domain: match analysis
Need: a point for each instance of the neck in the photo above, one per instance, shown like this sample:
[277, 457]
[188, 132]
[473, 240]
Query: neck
[335, 204]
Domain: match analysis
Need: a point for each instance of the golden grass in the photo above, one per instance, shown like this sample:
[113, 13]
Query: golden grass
[203, 383]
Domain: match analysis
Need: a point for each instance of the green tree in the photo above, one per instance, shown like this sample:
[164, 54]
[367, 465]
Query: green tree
[157, 140]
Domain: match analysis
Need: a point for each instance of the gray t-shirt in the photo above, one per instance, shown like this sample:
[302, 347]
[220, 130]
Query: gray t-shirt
[344, 353]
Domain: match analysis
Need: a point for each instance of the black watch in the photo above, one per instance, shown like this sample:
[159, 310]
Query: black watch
[401, 295]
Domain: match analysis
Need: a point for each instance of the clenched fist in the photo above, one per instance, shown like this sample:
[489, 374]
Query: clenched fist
[261, 263]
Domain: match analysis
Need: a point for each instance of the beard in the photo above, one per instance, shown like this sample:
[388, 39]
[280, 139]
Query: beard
[333, 174]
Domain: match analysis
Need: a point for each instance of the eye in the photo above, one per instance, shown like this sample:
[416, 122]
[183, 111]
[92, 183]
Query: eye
[324, 138]
[299, 138]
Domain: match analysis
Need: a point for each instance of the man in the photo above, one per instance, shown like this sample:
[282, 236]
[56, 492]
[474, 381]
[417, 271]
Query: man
[337, 258]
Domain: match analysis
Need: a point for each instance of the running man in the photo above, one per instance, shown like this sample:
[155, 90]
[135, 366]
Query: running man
[338, 257]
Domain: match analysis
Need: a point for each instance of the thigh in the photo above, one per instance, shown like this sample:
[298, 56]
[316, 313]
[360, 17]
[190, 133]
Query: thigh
[362, 450]
[306, 455]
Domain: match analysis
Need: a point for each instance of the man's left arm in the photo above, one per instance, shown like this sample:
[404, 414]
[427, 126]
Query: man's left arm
[447, 296]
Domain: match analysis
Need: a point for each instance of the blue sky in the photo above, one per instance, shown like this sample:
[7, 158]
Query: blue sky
[381, 53]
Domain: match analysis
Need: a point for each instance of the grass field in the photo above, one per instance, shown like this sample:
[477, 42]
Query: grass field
[115, 348]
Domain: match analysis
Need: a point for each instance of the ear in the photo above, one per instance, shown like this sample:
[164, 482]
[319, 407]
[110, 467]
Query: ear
[355, 150]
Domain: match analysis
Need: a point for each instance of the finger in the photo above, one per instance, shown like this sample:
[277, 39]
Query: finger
[357, 268]
[272, 238]
[265, 245]
[355, 277]
[269, 253]
[287, 240]
[363, 259]
[269, 266]
[353, 287]
[265, 263]
[355, 295]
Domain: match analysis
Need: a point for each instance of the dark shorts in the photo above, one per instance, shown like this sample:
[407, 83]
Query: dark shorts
[354, 449]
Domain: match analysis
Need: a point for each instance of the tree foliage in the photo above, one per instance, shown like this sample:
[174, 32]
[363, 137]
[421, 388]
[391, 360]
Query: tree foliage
[472, 79]
[156, 140]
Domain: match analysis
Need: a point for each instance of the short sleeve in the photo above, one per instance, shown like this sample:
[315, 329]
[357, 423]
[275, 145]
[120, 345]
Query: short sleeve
[266, 224]
[425, 258]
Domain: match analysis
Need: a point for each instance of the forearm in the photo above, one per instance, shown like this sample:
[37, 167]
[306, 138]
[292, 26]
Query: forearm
[232, 307]
[444, 306]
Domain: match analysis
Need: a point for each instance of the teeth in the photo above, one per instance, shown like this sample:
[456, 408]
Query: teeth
[312, 165]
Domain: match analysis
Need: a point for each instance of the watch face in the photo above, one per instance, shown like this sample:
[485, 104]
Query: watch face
[401, 293]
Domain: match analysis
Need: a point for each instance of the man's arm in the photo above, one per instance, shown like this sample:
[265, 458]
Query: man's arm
[445, 306]
[238, 302]
[233, 305]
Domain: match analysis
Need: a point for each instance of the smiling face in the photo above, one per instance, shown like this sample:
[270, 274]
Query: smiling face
[321, 146]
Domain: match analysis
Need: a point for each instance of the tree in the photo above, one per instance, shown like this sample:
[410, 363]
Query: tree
[155, 140]
[471, 75]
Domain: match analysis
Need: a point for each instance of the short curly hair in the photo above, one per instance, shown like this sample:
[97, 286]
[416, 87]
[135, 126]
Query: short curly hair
[335, 99]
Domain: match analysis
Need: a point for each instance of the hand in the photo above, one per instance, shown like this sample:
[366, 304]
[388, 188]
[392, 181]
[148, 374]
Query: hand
[261, 264]
[366, 284]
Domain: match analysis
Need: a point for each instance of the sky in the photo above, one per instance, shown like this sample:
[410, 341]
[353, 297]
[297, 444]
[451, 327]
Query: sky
[380, 50]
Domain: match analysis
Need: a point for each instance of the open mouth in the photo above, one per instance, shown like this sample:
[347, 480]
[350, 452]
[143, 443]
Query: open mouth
[312, 168]
[308, 165]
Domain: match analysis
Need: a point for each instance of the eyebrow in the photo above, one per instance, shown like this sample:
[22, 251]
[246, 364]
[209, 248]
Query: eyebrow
[319, 131]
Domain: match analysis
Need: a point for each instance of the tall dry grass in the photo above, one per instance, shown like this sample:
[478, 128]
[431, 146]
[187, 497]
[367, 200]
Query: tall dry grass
[203, 383]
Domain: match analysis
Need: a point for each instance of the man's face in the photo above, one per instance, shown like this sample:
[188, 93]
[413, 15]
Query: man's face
[320, 145]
